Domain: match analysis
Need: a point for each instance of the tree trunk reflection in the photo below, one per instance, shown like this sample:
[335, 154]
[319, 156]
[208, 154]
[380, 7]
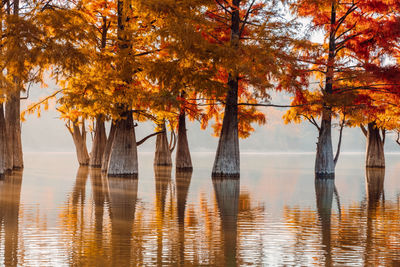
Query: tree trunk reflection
[324, 189]
[227, 196]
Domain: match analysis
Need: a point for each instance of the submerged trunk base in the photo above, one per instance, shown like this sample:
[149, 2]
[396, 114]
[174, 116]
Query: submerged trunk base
[375, 157]
[324, 176]
[184, 169]
[123, 158]
[324, 162]
[162, 155]
[222, 176]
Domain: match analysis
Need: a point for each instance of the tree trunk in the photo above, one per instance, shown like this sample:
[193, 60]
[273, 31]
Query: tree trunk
[227, 158]
[375, 156]
[324, 162]
[123, 158]
[3, 144]
[162, 155]
[12, 117]
[107, 150]
[183, 161]
[79, 138]
[99, 143]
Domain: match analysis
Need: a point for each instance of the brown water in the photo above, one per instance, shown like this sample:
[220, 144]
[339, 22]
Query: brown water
[56, 214]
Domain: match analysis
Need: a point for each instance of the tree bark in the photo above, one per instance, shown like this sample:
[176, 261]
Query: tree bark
[375, 156]
[183, 160]
[14, 129]
[324, 162]
[79, 137]
[99, 143]
[123, 158]
[227, 158]
[162, 155]
[12, 117]
[3, 144]
[107, 150]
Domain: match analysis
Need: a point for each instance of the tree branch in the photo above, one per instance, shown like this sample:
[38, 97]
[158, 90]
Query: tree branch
[365, 132]
[147, 137]
[340, 139]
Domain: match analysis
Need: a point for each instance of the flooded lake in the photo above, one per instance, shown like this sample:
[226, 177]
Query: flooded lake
[57, 214]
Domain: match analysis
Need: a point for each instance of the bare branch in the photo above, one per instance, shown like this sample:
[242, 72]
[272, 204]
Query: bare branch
[365, 132]
[147, 137]
[340, 139]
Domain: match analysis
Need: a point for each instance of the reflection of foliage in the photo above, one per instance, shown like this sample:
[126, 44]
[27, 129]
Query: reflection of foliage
[154, 233]
[370, 230]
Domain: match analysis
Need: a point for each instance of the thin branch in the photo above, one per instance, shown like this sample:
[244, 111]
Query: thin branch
[147, 137]
[246, 17]
[365, 132]
[173, 137]
[312, 121]
[223, 7]
[340, 139]
[44, 100]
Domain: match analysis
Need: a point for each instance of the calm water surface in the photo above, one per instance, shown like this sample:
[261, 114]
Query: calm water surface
[57, 214]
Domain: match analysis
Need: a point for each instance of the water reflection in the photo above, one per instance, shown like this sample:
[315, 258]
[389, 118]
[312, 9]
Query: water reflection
[227, 195]
[10, 190]
[324, 189]
[192, 220]
[374, 180]
[123, 197]
[162, 175]
[182, 183]
[365, 233]
[99, 188]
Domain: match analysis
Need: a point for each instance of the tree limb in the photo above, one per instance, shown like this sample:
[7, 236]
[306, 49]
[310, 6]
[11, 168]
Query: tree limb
[173, 136]
[340, 139]
[147, 137]
[365, 132]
